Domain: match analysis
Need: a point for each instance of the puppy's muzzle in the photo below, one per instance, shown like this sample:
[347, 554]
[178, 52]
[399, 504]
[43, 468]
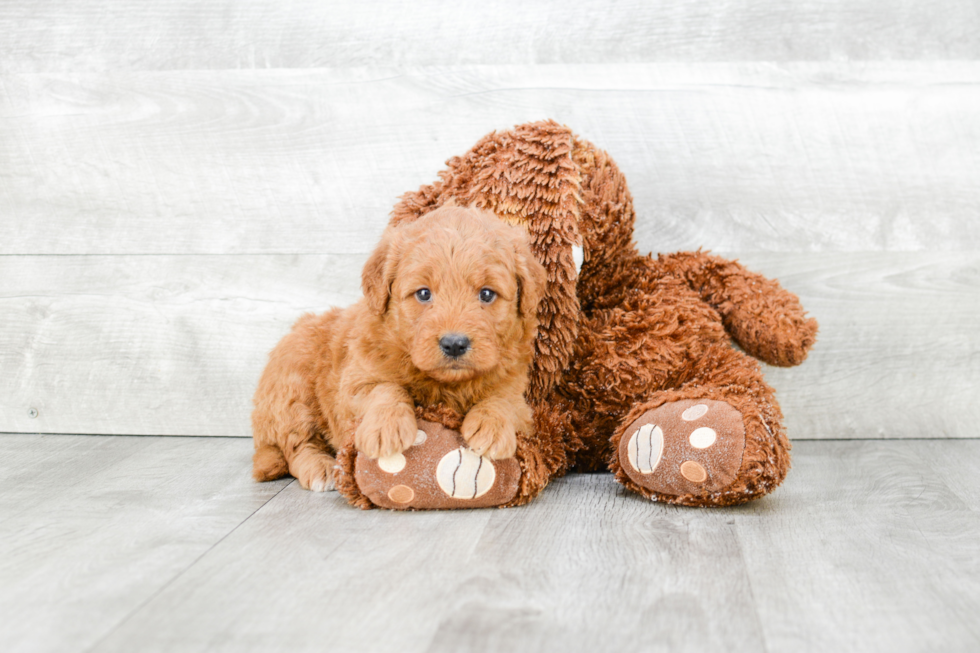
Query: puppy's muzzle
[454, 345]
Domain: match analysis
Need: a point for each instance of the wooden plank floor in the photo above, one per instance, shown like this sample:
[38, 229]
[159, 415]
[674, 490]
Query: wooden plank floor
[115, 543]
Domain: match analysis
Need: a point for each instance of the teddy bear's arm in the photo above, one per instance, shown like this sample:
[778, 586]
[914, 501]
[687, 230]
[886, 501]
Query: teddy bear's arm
[764, 318]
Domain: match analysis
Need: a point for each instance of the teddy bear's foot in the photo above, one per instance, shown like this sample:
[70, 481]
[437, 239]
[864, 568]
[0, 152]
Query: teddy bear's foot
[437, 472]
[687, 447]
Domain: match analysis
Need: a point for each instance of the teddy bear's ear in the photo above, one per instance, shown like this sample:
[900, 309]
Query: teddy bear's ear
[379, 273]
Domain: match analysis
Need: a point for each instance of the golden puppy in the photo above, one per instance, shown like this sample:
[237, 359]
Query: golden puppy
[448, 316]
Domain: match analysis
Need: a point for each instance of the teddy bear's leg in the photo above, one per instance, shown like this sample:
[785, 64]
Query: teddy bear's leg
[767, 320]
[439, 471]
[716, 440]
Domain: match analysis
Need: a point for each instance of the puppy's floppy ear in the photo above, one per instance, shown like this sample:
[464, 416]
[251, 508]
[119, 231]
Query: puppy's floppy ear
[379, 273]
[531, 278]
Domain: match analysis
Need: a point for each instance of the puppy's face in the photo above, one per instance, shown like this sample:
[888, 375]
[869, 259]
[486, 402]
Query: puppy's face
[458, 292]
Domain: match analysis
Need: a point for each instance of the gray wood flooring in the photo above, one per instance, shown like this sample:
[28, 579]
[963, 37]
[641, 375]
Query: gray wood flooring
[113, 543]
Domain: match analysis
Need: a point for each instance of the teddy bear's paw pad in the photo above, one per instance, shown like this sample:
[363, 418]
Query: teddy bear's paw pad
[437, 472]
[463, 474]
[684, 447]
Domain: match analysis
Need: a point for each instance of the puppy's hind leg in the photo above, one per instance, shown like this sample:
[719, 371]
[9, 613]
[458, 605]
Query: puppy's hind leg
[288, 441]
[268, 463]
[313, 466]
[288, 429]
[296, 449]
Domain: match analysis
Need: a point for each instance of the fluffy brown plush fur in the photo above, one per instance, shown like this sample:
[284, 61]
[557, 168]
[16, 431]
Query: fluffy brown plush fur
[629, 335]
[356, 375]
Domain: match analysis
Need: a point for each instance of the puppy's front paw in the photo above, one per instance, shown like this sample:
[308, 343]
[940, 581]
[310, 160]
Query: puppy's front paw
[489, 434]
[386, 431]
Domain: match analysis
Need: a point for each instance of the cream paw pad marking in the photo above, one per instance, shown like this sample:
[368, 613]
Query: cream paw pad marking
[437, 471]
[463, 474]
[684, 447]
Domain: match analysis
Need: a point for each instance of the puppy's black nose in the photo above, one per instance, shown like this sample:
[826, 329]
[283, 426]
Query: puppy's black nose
[454, 345]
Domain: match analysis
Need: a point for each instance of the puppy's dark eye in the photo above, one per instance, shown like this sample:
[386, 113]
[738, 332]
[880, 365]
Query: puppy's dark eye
[487, 295]
[424, 295]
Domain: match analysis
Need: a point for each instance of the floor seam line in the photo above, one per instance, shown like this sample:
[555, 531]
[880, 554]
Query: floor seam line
[183, 571]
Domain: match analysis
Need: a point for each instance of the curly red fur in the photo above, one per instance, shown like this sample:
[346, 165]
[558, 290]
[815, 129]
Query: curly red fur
[628, 332]
[369, 365]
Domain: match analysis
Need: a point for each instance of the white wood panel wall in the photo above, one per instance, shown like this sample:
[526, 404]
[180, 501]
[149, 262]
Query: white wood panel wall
[179, 181]
[56, 35]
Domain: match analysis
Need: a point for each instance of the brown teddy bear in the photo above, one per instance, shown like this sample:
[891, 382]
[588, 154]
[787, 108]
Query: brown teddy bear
[634, 367]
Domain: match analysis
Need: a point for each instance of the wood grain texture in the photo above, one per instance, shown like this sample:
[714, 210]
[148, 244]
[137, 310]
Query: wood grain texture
[175, 344]
[93, 527]
[163, 544]
[898, 353]
[100, 35]
[738, 157]
[883, 545]
[151, 344]
[957, 465]
[582, 569]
